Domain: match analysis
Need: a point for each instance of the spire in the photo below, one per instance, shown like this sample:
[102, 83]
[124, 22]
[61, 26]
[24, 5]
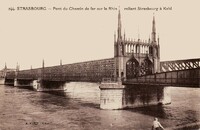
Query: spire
[114, 36]
[17, 67]
[43, 63]
[5, 66]
[60, 62]
[138, 34]
[154, 27]
[153, 34]
[119, 26]
[149, 39]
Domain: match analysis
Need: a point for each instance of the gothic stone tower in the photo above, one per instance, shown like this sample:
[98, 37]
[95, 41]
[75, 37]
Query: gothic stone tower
[135, 58]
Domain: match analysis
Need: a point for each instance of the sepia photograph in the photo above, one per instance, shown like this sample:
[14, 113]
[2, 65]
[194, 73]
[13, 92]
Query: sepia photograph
[99, 65]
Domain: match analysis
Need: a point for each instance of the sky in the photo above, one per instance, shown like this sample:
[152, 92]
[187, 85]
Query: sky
[28, 37]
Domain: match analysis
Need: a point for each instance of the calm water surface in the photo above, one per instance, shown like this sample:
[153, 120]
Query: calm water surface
[78, 109]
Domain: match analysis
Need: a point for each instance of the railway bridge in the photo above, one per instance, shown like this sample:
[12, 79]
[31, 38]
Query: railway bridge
[135, 62]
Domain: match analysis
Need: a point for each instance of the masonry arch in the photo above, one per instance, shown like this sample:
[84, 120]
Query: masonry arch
[127, 47]
[146, 67]
[134, 48]
[137, 48]
[132, 68]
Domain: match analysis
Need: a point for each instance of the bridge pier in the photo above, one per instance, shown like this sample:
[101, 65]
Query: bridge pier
[166, 97]
[44, 85]
[111, 95]
[117, 96]
[8, 81]
[16, 82]
[36, 85]
[23, 82]
[2, 81]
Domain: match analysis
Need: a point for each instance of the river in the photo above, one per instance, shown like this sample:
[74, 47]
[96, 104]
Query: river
[77, 108]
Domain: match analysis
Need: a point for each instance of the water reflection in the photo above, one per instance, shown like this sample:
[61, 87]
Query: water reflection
[152, 110]
[137, 96]
[55, 100]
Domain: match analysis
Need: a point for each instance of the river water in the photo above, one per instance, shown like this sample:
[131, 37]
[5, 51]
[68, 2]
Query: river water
[77, 108]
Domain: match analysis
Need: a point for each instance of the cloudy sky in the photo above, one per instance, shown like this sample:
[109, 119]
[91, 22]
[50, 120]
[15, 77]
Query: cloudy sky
[28, 37]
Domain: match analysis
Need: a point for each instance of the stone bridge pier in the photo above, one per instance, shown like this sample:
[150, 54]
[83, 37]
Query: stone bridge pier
[23, 82]
[118, 96]
[111, 95]
[45, 85]
[8, 81]
[36, 84]
[2, 81]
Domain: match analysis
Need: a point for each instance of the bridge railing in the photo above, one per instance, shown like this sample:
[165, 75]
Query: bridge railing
[190, 77]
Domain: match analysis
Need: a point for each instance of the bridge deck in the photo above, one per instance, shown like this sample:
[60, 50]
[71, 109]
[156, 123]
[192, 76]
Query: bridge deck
[173, 73]
[182, 78]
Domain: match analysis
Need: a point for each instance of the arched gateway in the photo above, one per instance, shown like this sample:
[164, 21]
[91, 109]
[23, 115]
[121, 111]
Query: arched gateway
[132, 68]
[146, 67]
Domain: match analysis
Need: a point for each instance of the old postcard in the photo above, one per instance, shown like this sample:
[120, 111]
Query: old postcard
[99, 65]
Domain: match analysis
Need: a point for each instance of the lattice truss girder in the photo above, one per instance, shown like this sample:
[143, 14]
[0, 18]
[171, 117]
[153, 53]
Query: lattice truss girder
[91, 70]
[179, 65]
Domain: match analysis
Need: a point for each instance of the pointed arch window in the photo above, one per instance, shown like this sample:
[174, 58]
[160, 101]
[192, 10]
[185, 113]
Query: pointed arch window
[132, 68]
[146, 67]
